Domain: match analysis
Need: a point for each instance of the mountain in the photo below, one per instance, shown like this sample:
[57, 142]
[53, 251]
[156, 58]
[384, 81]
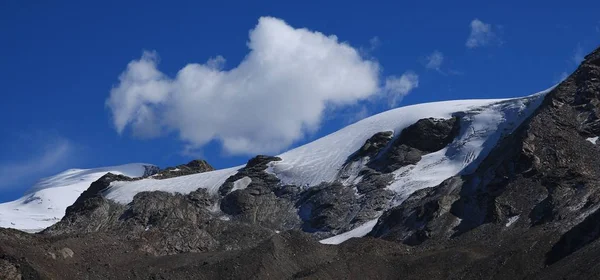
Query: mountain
[471, 189]
[45, 203]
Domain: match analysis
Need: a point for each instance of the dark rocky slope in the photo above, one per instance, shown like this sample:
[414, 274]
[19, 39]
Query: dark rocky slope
[531, 210]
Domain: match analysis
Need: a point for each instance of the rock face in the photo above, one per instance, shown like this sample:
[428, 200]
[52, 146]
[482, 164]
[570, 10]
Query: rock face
[530, 210]
[373, 146]
[9, 271]
[159, 223]
[541, 181]
[192, 167]
[423, 137]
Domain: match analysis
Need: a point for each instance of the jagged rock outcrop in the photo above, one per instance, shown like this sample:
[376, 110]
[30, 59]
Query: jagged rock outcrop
[255, 196]
[192, 167]
[373, 146]
[328, 207]
[255, 170]
[9, 271]
[161, 223]
[411, 221]
[543, 179]
[423, 137]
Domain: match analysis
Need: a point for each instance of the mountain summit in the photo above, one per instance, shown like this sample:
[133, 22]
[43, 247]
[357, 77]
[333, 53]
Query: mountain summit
[500, 189]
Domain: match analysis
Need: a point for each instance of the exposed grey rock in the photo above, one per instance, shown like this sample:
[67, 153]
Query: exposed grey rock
[423, 137]
[262, 201]
[254, 169]
[328, 207]
[425, 213]
[192, 167]
[373, 180]
[162, 223]
[9, 271]
[258, 204]
[66, 253]
[150, 170]
[430, 135]
[373, 146]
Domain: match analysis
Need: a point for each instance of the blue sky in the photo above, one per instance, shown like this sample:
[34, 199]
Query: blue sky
[60, 64]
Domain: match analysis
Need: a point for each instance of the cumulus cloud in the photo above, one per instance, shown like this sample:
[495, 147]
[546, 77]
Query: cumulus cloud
[435, 60]
[51, 155]
[481, 34]
[276, 95]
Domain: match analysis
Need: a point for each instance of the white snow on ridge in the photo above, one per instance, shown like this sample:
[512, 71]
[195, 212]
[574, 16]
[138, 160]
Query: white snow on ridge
[45, 203]
[123, 192]
[311, 164]
[241, 183]
[360, 231]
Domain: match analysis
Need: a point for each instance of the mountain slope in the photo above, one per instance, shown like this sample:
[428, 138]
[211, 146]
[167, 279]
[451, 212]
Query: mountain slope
[482, 124]
[45, 203]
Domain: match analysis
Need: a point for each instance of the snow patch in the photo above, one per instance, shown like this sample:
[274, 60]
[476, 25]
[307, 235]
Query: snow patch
[512, 220]
[123, 192]
[360, 231]
[241, 184]
[593, 140]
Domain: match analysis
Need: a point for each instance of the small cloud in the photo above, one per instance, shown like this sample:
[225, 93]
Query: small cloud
[578, 55]
[435, 60]
[561, 77]
[358, 115]
[52, 155]
[398, 87]
[367, 51]
[455, 72]
[482, 34]
[374, 43]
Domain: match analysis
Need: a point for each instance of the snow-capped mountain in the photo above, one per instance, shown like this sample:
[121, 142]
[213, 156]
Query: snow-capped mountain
[482, 124]
[45, 203]
[471, 189]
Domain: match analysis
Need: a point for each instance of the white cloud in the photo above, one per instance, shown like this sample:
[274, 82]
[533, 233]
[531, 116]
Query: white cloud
[435, 60]
[52, 155]
[398, 87]
[578, 55]
[374, 43]
[361, 114]
[563, 76]
[276, 95]
[481, 34]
